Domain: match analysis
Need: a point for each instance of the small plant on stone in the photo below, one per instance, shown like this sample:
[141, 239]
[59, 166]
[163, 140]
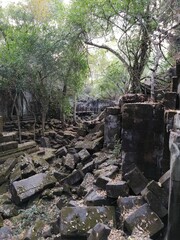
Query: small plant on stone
[117, 147]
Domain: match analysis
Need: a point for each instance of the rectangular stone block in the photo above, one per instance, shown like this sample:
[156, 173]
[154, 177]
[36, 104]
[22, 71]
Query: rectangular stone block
[8, 146]
[136, 180]
[170, 100]
[155, 204]
[145, 219]
[73, 178]
[143, 134]
[159, 192]
[126, 204]
[8, 137]
[101, 182]
[115, 189]
[24, 189]
[75, 222]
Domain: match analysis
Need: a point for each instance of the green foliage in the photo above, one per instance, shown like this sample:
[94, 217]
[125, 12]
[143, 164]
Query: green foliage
[40, 52]
[114, 82]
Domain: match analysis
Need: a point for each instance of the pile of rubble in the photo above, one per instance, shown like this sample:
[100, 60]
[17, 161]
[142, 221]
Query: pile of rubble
[77, 191]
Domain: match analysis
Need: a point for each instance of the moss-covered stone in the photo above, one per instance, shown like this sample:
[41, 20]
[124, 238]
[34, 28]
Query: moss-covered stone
[77, 221]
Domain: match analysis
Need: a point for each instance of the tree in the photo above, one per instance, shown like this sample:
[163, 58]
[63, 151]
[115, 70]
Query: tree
[128, 28]
[45, 55]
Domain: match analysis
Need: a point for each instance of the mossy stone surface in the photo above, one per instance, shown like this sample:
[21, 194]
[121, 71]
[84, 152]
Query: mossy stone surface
[77, 221]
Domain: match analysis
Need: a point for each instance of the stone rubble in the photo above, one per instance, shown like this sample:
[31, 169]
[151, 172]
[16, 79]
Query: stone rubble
[82, 183]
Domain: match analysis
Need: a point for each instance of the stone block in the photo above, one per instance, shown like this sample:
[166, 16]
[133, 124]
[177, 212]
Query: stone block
[8, 146]
[69, 162]
[115, 189]
[112, 129]
[8, 137]
[24, 189]
[73, 178]
[101, 182]
[87, 184]
[136, 180]
[109, 171]
[132, 98]
[129, 160]
[6, 169]
[143, 134]
[61, 152]
[155, 204]
[126, 204]
[113, 111]
[145, 219]
[89, 167]
[170, 100]
[45, 143]
[84, 155]
[89, 145]
[159, 192]
[99, 232]
[96, 198]
[75, 222]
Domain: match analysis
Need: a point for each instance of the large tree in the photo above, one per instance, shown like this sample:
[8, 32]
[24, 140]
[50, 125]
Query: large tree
[42, 53]
[130, 29]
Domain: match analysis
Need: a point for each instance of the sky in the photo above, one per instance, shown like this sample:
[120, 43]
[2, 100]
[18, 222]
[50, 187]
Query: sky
[4, 3]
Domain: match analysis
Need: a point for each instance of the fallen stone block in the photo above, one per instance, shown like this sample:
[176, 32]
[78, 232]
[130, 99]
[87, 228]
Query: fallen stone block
[155, 204]
[159, 192]
[99, 158]
[145, 219]
[101, 182]
[89, 167]
[45, 143]
[6, 169]
[136, 180]
[23, 190]
[49, 155]
[61, 152]
[73, 178]
[69, 162]
[84, 155]
[89, 145]
[87, 184]
[126, 204]
[109, 171]
[97, 198]
[99, 232]
[115, 189]
[8, 137]
[75, 222]
[6, 146]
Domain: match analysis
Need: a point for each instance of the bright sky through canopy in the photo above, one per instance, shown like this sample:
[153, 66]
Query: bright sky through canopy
[4, 3]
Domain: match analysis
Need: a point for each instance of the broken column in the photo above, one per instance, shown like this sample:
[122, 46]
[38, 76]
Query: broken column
[112, 128]
[174, 193]
[169, 117]
[143, 138]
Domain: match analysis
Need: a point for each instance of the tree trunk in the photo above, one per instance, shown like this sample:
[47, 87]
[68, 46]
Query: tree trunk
[154, 70]
[43, 121]
[15, 105]
[74, 109]
[34, 115]
[63, 103]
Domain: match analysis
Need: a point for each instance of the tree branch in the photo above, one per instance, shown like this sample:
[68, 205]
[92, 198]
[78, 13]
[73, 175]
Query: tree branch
[110, 50]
